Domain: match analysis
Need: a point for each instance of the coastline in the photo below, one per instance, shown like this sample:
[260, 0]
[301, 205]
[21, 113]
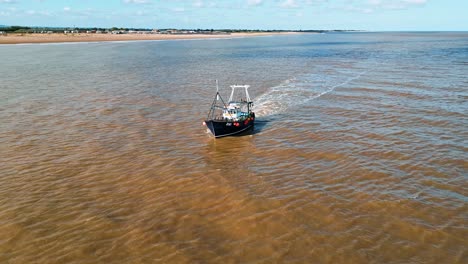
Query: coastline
[83, 37]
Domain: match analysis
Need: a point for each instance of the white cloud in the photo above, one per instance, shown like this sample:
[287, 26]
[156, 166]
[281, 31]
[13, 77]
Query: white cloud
[396, 4]
[137, 1]
[178, 9]
[416, 2]
[143, 13]
[371, 6]
[79, 13]
[289, 4]
[359, 9]
[375, 2]
[211, 4]
[37, 13]
[8, 1]
[254, 2]
[198, 3]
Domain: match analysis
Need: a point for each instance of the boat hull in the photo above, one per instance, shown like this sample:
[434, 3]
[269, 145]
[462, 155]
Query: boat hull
[221, 128]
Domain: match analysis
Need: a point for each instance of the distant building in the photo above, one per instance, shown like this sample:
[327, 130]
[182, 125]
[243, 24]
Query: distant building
[138, 32]
[170, 31]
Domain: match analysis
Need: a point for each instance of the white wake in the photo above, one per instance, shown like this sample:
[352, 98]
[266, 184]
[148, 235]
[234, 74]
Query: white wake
[300, 90]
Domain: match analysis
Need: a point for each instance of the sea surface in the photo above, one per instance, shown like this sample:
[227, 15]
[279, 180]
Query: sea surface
[359, 154]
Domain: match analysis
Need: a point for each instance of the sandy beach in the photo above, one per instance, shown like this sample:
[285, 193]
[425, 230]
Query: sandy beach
[82, 37]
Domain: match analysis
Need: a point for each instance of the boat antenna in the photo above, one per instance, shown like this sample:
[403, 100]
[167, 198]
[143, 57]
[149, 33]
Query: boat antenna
[217, 90]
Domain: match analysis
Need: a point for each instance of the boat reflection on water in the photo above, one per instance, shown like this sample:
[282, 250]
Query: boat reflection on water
[232, 159]
[231, 153]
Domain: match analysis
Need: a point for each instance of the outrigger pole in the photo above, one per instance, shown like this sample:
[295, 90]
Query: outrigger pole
[214, 104]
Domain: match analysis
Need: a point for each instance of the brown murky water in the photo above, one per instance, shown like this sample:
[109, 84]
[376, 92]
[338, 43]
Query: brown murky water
[359, 154]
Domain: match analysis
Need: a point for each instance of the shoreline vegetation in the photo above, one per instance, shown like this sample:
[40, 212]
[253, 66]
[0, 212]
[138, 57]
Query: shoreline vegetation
[27, 35]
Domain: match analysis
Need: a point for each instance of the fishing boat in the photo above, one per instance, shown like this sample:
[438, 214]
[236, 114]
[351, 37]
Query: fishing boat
[233, 118]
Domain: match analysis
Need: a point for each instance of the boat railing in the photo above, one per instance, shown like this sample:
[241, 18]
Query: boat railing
[240, 119]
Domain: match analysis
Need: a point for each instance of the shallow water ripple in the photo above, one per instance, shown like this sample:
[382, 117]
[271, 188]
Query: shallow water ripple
[359, 154]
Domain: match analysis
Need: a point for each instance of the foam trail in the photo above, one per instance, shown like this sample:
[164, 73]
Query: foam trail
[349, 80]
[339, 85]
[298, 91]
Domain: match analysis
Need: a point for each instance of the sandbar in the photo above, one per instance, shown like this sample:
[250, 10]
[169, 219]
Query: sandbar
[14, 38]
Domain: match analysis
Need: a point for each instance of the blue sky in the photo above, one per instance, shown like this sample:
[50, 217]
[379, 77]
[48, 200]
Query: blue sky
[380, 15]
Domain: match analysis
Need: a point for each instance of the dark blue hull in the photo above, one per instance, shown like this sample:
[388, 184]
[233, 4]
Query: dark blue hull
[221, 128]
